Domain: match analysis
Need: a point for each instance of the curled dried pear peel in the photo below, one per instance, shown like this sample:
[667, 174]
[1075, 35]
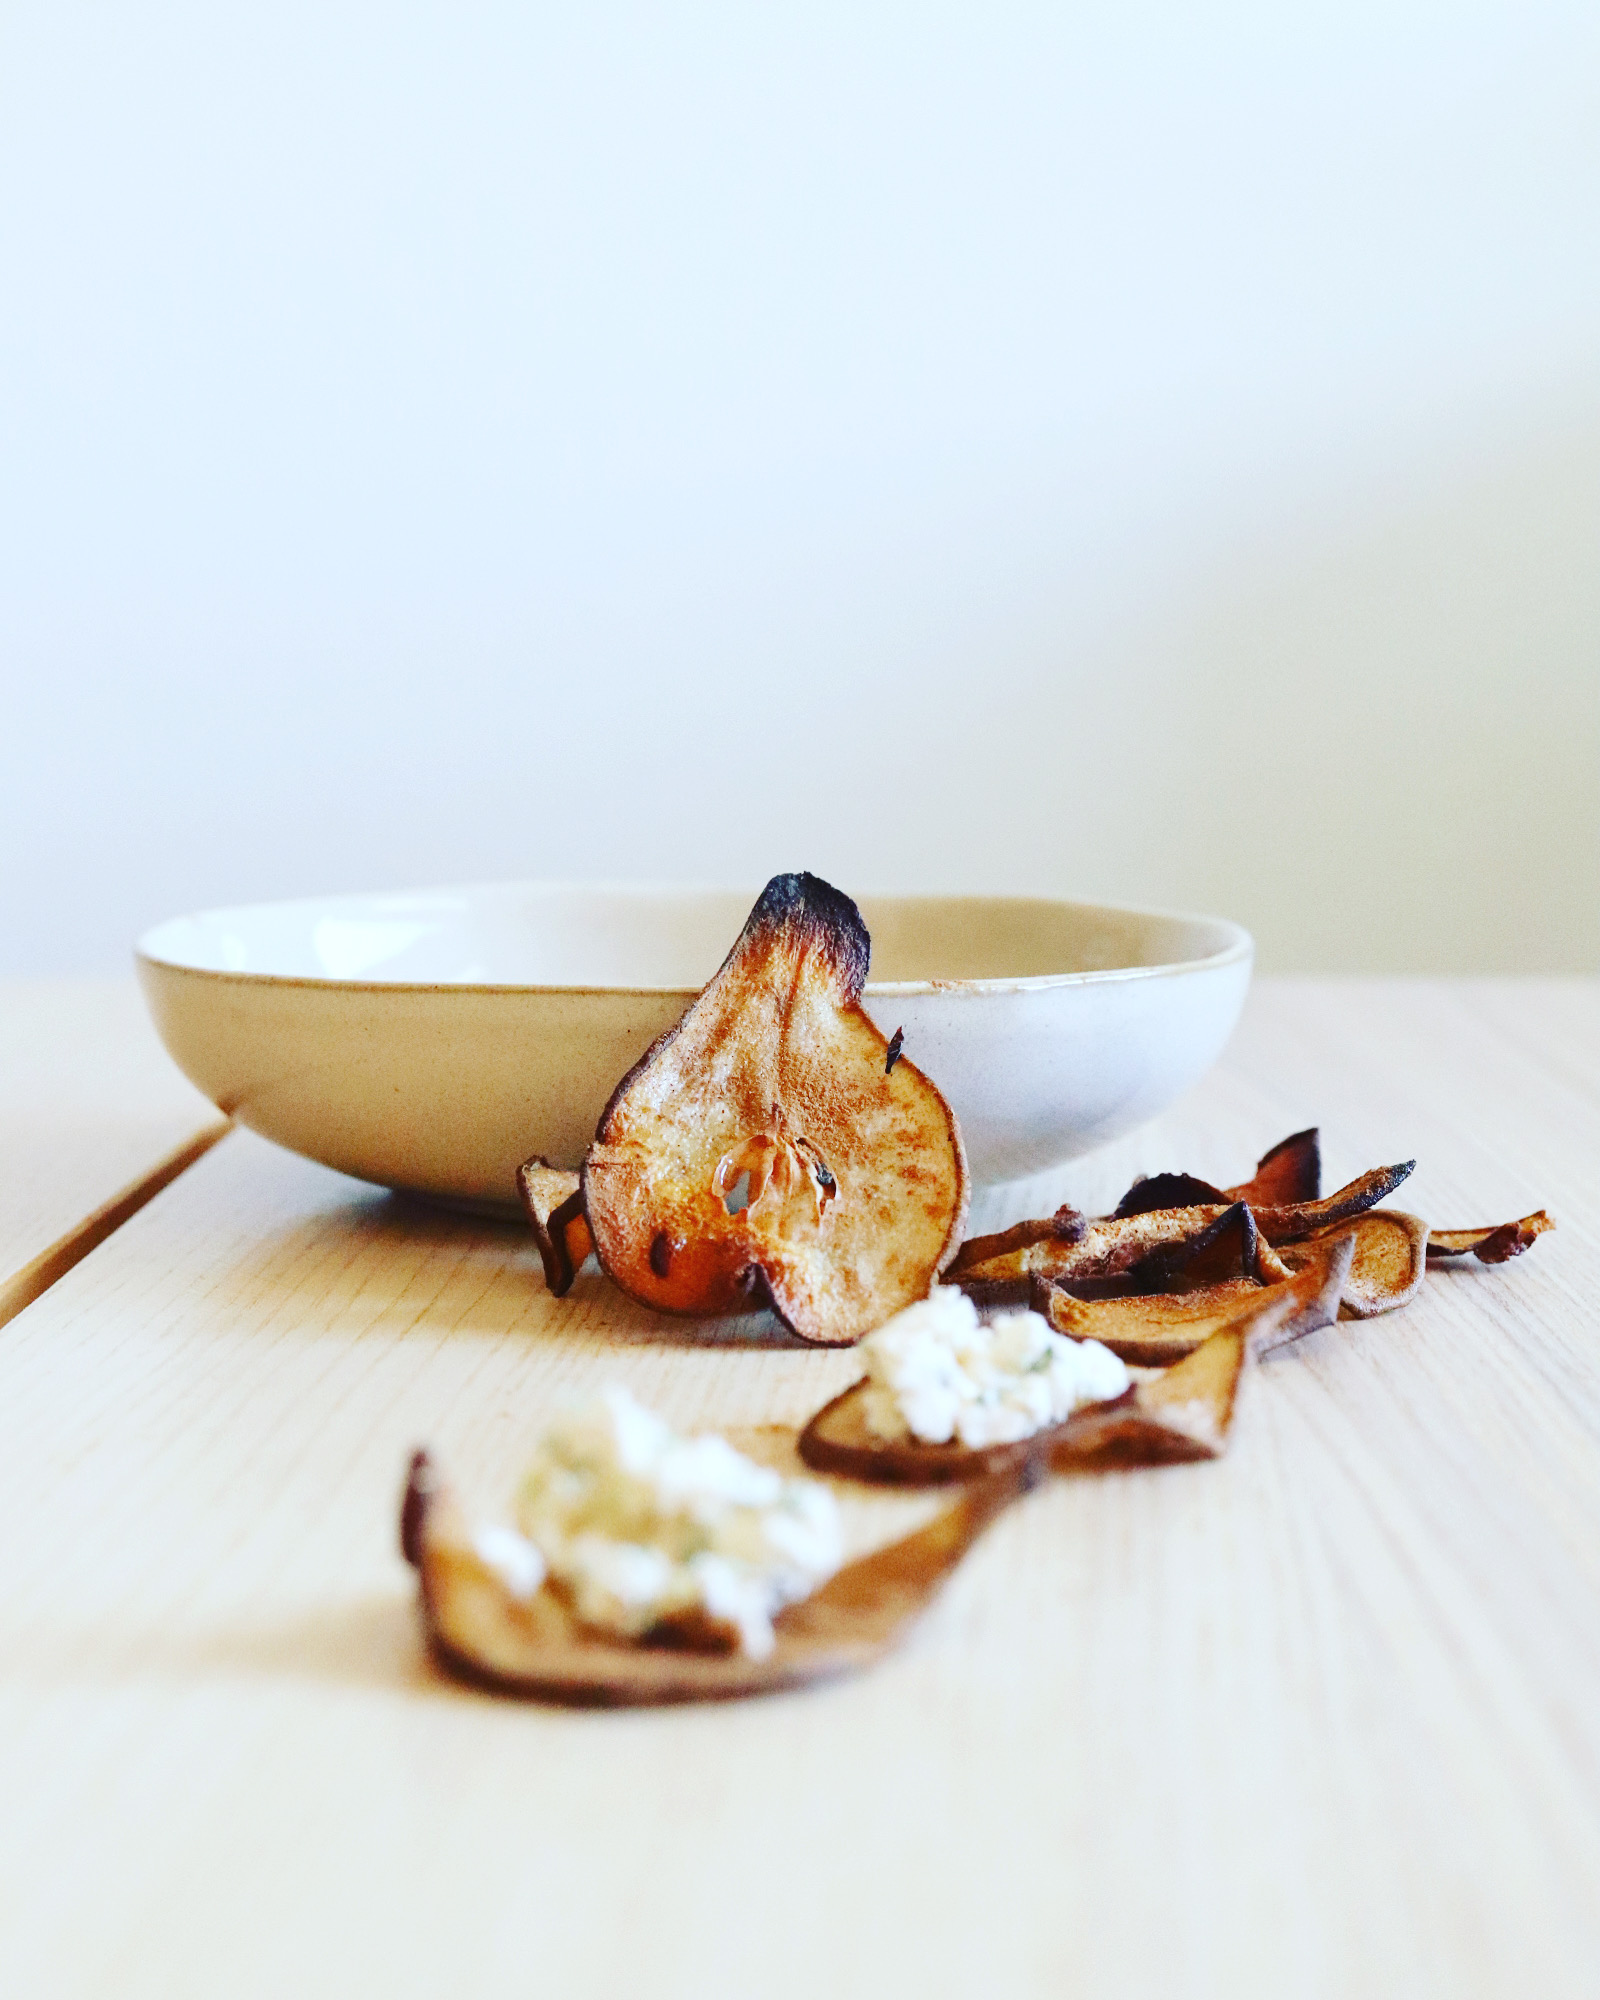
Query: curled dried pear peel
[765, 1151]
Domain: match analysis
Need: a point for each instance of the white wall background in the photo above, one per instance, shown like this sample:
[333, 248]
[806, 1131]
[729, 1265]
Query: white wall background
[1126, 450]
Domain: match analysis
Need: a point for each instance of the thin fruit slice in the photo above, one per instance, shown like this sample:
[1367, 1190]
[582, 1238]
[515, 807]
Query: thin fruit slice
[1150, 1329]
[1291, 1171]
[765, 1151]
[1152, 1191]
[1183, 1413]
[1067, 1225]
[1155, 1330]
[1115, 1246]
[1493, 1244]
[1288, 1172]
[999, 1269]
[1229, 1247]
[1319, 1280]
[1289, 1222]
[482, 1631]
[1389, 1262]
[554, 1203]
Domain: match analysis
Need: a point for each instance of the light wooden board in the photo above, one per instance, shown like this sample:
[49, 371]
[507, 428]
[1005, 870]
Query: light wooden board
[92, 1114]
[1318, 1720]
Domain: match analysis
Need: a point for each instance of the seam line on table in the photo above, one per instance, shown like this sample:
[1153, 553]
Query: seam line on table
[35, 1278]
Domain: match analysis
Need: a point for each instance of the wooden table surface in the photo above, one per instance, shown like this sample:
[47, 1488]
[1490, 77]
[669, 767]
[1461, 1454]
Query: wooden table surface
[1320, 1719]
[94, 1119]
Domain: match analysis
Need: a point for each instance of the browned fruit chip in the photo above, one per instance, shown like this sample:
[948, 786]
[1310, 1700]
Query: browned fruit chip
[479, 1631]
[1113, 1247]
[1183, 1413]
[999, 1270]
[1157, 1329]
[1319, 1280]
[1152, 1191]
[560, 1228]
[1289, 1222]
[1388, 1265]
[1067, 1225]
[1290, 1171]
[765, 1151]
[1490, 1245]
[1152, 1329]
[1229, 1247]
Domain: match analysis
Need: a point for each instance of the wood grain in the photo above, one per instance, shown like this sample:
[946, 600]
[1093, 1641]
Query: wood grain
[1317, 1719]
[94, 1119]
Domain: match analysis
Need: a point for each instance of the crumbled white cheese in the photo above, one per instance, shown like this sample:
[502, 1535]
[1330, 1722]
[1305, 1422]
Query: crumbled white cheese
[638, 1524]
[512, 1557]
[937, 1372]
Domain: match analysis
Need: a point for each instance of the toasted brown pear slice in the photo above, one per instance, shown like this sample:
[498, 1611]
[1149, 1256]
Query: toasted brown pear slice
[1157, 1329]
[1388, 1265]
[480, 1632]
[1229, 1247]
[1493, 1244]
[1183, 1413]
[1153, 1191]
[1000, 1269]
[1152, 1329]
[1067, 1225]
[1113, 1247]
[764, 1150]
[1290, 1171]
[554, 1203]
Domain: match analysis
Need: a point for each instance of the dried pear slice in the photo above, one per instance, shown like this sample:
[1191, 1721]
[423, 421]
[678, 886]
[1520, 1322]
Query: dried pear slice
[1290, 1171]
[1150, 1329]
[554, 1203]
[1319, 1279]
[481, 1631]
[1152, 1191]
[1155, 1330]
[1289, 1222]
[1493, 1244]
[764, 1150]
[1183, 1413]
[1389, 1262]
[1067, 1225]
[1114, 1246]
[1101, 1252]
[1229, 1247]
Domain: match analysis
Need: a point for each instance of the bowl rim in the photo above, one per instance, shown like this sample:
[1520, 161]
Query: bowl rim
[1238, 948]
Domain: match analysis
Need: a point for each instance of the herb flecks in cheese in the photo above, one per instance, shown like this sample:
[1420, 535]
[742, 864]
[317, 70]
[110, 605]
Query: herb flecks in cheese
[938, 1373]
[640, 1526]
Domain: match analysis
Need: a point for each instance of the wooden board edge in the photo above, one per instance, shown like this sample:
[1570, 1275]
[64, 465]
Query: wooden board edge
[35, 1278]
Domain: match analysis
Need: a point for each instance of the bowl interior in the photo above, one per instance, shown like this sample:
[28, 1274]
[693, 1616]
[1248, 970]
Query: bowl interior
[664, 940]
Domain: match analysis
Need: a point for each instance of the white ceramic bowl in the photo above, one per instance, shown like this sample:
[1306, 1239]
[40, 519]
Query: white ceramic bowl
[433, 1040]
